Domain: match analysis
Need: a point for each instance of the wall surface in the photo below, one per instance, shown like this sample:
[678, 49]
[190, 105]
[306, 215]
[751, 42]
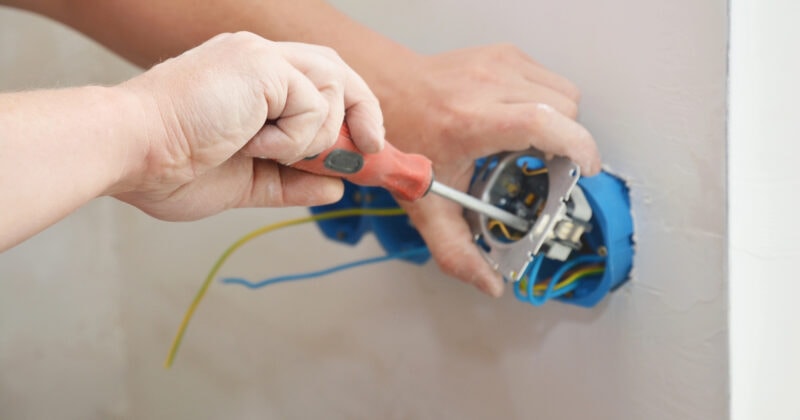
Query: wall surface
[764, 125]
[89, 307]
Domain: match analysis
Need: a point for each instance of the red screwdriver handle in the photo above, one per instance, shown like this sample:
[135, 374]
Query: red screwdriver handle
[407, 176]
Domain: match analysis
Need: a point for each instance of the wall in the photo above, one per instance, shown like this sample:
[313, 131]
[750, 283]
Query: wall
[764, 122]
[108, 286]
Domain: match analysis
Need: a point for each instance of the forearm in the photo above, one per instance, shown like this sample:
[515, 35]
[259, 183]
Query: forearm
[443, 106]
[149, 31]
[58, 150]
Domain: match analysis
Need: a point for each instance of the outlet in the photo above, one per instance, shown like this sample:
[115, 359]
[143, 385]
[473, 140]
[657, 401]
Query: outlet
[579, 247]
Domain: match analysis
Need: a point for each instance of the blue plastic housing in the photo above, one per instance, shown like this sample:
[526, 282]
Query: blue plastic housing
[395, 234]
[612, 228]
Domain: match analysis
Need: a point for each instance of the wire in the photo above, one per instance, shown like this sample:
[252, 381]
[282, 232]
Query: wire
[530, 278]
[503, 229]
[423, 250]
[337, 214]
[583, 259]
[574, 277]
[537, 293]
[532, 172]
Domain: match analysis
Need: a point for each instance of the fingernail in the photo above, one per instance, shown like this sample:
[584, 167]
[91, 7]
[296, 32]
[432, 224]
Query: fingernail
[379, 135]
[371, 148]
[491, 287]
[595, 167]
[497, 290]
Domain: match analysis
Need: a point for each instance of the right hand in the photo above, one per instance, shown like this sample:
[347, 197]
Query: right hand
[221, 121]
[462, 105]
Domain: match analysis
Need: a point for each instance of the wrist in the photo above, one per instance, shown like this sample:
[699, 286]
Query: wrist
[389, 79]
[132, 120]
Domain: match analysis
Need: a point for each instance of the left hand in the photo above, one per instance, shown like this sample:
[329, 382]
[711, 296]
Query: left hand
[469, 104]
[217, 119]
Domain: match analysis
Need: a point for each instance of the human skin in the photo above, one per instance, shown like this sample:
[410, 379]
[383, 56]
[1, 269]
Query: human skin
[185, 139]
[452, 107]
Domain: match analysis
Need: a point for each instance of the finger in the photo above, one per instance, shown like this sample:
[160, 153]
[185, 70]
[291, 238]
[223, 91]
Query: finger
[448, 237]
[527, 92]
[334, 95]
[329, 74]
[276, 185]
[294, 135]
[555, 81]
[363, 113]
[535, 73]
[520, 126]
[364, 116]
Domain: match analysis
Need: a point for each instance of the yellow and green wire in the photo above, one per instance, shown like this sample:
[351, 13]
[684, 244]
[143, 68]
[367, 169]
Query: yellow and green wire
[336, 214]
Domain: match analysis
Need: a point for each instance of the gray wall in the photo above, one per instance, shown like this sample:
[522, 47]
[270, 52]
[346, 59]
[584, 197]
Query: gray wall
[88, 308]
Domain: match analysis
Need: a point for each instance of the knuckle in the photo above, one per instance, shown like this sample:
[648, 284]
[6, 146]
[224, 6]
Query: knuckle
[319, 112]
[336, 85]
[509, 48]
[340, 75]
[572, 92]
[249, 47]
[540, 116]
[483, 75]
[506, 51]
[329, 52]
[220, 36]
[454, 121]
[448, 266]
[326, 52]
[571, 109]
[246, 36]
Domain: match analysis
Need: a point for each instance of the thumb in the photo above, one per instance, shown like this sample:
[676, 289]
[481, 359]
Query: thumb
[276, 185]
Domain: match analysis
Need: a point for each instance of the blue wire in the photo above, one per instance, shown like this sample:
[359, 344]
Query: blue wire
[533, 272]
[550, 293]
[529, 297]
[303, 276]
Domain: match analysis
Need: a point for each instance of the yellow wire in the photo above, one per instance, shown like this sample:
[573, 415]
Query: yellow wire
[496, 223]
[336, 214]
[532, 172]
[572, 278]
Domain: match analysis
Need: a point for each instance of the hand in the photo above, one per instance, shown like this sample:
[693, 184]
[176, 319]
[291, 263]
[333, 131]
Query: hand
[463, 105]
[222, 118]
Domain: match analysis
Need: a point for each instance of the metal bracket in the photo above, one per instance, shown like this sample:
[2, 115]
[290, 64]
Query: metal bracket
[511, 259]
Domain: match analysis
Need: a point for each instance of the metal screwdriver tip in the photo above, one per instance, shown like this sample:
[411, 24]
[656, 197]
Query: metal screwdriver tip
[479, 206]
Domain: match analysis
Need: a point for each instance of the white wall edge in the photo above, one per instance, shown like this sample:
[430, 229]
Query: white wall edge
[763, 124]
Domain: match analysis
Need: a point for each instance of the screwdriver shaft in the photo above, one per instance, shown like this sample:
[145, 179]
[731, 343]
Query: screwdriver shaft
[479, 206]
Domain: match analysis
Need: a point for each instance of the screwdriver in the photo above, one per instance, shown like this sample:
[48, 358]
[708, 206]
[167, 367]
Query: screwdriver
[406, 176]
